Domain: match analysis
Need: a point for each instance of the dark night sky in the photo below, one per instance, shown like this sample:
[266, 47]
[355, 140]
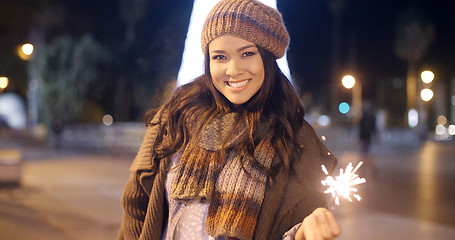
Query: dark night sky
[369, 22]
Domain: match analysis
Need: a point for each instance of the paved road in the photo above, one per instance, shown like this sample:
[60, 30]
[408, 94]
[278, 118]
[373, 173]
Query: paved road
[74, 195]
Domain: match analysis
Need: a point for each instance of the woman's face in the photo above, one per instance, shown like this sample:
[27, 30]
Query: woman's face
[236, 68]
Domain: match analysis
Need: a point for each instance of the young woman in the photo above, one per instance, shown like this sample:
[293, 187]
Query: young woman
[230, 156]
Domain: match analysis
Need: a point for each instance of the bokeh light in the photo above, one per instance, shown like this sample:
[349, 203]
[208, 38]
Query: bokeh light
[27, 49]
[13, 110]
[451, 130]
[440, 130]
[3, 82]
[442, 120]
[413, 118]
[427, 76]
[108, 120]
[343, 107]
[323, 120]
[426, 94]
[348, 81]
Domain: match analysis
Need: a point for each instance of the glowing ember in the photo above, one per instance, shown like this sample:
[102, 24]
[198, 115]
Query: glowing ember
[342, 185]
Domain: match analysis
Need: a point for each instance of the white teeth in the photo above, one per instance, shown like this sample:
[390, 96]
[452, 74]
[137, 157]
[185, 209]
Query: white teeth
[237, 84]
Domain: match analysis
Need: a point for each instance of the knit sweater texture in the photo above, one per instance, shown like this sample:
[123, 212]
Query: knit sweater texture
[287, 200]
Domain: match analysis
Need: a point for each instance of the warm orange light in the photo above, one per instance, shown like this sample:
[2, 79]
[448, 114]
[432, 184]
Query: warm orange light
[426, 94]
[25, 51]
[442, 120]
[348, 81]
[427, 76]
[3, 82]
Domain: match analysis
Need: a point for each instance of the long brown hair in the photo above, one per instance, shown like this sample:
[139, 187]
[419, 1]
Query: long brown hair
[274, 110]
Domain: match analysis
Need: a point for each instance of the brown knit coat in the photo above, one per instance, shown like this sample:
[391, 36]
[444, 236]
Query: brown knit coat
[287, 201]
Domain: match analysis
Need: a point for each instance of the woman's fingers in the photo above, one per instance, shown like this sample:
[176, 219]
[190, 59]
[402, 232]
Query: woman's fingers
[320, 225]
[323, 223]
[310, 227]
[333, 224]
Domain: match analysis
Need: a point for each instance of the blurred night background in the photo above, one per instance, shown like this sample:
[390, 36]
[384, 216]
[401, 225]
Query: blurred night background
[95, 67]
[132, 52]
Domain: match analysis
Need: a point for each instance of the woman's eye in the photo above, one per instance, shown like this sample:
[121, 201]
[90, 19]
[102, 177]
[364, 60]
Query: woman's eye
[247, 54]
[218, 57]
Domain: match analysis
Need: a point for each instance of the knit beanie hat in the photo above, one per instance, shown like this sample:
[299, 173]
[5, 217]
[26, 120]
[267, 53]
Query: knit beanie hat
[250, 20]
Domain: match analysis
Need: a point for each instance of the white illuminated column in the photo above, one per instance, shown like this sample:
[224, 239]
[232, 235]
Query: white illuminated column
[193, 60]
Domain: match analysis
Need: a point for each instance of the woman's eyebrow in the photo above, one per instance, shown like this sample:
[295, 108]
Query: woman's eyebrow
[246, 47]
[217, 51]
[238, 50]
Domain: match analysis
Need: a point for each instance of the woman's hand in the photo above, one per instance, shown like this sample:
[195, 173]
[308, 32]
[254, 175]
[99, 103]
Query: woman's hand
[319, 225]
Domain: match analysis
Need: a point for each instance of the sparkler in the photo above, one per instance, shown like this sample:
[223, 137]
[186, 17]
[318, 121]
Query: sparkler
[342, 185]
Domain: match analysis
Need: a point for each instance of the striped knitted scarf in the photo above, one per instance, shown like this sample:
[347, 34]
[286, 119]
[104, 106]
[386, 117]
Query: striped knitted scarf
[233, 185]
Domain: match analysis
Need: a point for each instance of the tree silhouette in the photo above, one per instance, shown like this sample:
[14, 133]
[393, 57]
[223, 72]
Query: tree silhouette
[67, 67]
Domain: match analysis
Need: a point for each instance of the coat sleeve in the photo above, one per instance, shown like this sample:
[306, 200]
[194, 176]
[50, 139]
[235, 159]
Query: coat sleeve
[134, 204]
[135, 195]
[304, 192]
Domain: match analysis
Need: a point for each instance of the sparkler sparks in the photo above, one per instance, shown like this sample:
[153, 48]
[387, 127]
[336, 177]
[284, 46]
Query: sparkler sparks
[342, 185]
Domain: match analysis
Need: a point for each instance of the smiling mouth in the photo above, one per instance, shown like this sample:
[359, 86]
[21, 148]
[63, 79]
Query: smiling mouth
[237, 84]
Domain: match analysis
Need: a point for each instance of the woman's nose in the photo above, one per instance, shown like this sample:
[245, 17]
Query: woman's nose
[234, 68]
